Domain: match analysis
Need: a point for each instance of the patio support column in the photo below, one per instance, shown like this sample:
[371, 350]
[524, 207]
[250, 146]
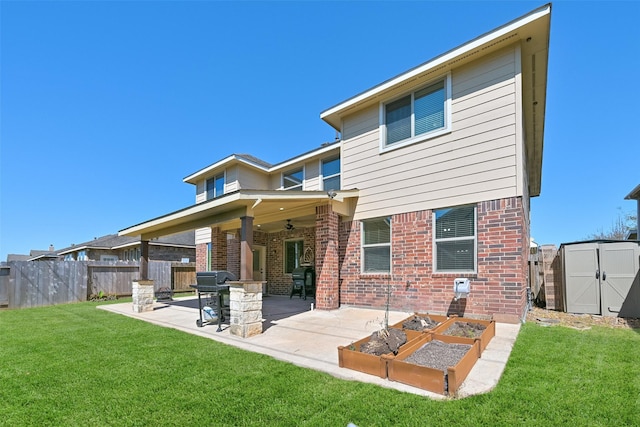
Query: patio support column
[142, 290]
[144, 260]
[246, 245]
[327, 261]
[218, 249]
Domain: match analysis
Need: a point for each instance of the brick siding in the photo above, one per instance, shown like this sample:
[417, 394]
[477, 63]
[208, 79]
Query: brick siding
[498, 287]
[327, 258]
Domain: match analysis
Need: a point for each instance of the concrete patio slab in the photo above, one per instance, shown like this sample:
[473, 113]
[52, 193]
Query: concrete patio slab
[309, 338]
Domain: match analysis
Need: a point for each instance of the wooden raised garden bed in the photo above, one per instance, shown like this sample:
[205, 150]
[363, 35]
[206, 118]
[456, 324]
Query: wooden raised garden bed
[352, 357]
[407, 325]
[442, 380]
[470, 329]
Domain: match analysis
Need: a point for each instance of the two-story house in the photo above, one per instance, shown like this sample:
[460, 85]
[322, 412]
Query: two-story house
[430, 182]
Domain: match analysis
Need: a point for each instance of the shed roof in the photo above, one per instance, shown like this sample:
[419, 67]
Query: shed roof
[635, 194]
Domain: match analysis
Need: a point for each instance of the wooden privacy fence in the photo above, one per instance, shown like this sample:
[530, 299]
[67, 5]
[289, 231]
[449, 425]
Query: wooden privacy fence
[39, 283]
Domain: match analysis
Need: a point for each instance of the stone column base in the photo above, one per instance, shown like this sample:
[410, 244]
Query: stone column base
[245, 303]
[142, 295]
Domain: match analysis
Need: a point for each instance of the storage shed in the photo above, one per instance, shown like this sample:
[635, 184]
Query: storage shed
[601, 277]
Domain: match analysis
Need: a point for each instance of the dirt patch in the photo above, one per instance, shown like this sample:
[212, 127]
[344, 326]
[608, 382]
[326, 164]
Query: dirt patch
[579, 321]
[465, 329]
[384, 341]
[420, 323]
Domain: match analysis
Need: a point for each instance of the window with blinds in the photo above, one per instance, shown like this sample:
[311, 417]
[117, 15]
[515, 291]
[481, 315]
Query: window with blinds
[422, 112]
[376, 245]
[455, 239]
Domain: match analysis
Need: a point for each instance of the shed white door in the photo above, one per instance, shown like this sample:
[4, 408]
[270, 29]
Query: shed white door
[582, 288]
[620, 279]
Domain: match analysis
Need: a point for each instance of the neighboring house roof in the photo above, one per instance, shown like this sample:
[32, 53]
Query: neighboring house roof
[34, 255]
[114, 241]
[42, 255]
[18, 257]
[255, 162]
[632, 234]
[531, 30]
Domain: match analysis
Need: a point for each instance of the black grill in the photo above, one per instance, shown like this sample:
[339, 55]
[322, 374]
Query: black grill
[304, 282]
[213, 293]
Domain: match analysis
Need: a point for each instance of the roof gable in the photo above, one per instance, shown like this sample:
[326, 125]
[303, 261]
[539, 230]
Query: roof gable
[530, 31]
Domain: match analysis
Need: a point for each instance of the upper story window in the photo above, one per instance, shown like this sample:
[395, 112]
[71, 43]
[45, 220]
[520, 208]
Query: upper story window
[416, 116]
[455, 239]
[376, 245]
[292, 180]
[82, 256]
[331, 174]
[215, 186]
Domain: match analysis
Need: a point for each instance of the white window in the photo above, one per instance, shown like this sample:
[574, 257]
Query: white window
[292, 180]
[455, 239]
[416, 116]
[331, 173]
[215, 187]
[376, 245]
[82, 256]
[110, 258]
[292, 254]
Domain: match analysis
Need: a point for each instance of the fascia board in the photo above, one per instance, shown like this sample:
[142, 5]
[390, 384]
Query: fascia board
[174, 216]
[76, 249]
[304, 157]
[191, 179]
[451, 55]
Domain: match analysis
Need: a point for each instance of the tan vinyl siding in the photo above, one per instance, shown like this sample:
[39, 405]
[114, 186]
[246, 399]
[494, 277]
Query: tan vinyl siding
[251, 179]
[311, 175]
[201, 193]
[275, 181]
[476, 161]
[203, 235]
[367, 120]
[231, 178]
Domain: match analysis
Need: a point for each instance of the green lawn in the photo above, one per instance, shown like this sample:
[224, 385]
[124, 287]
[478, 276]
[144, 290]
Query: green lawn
[76, 365]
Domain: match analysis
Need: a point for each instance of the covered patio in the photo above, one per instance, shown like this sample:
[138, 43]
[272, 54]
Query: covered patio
[309, 338]
[238, 223]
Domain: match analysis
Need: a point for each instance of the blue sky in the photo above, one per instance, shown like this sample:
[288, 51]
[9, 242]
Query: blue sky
[105, 106]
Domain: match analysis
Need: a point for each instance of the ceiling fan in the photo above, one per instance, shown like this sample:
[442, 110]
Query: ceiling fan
[289, 226]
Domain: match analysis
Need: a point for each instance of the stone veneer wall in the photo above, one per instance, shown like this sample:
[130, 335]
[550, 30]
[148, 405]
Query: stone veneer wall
[498, 288]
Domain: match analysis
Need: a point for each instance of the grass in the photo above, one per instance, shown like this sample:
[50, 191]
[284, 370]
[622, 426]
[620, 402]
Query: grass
[76, 365]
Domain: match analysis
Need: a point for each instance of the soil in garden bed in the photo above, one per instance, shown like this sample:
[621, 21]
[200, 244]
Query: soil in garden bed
[420, 323]
[384, 341]
[438, 355]
[465, 329]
